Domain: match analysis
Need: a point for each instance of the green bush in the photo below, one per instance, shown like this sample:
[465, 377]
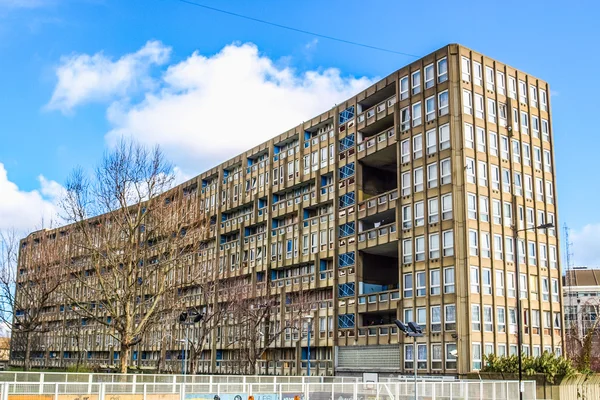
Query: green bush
[547, 364]
[81, 368]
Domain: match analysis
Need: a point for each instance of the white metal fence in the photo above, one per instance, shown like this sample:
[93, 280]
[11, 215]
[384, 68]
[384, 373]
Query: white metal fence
[274, 390]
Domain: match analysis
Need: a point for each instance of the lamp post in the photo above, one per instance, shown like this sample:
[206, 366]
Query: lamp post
[412, 330]
[308, 319]
[518, 288]
[194, 317]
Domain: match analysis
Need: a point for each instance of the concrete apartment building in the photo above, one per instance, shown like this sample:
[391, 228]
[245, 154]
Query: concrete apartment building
[398, 203]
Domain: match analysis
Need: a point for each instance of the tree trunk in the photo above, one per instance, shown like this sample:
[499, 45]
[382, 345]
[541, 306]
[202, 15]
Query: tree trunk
[123, 358]
[27, 361]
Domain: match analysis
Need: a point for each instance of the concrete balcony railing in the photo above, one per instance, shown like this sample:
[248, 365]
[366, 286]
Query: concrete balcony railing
[377, 236]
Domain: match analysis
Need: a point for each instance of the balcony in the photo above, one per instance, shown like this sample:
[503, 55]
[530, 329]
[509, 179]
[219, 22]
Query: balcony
[378, 236]
[376, 143]
[380, 301]
[378, 204]
[373, 117]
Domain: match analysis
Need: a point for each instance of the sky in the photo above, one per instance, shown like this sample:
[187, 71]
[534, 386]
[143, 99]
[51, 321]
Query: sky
[75, 75]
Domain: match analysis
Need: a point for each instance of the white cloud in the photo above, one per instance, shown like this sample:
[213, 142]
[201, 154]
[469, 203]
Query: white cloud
[27, 210]
[83, 78]
[208, 108]
[586, 245]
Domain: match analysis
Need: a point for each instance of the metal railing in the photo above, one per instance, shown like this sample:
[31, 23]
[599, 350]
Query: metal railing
[427, 389]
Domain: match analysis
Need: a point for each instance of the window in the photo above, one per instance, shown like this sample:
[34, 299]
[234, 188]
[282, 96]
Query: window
[450, 317]
[495, 177]
[504, 147]
[551, 231]
[448, 243]
[512, 88]
[496, 211]
[506, 180]
[436, 356]
[516, 148]
[431, 141]
[421, 317]
[527, 154]
[446, 176]
[501, 319]
[545, 289]
[537, 157]
[475, 317]
[443, 103]
[556, 320]
[442, 70]
[467, 102]
[523, 286]
[544, 100]
[488, 319]
[416, 111]
[466, 69]
[492, 111]
[510, 283]
[507, 214]
[547, 161]
[532, 253]
[408, 285]
[450, 358]
[472, 206]
[420, 284]
[444, 137]
[484, 209]
[434, 282]
[489, 78]
[524, 122]
[518, 184]
[549, 192]
[555, 291]
[405, 151]
[429, 76]
[553, 257]
[422, 356]
[405, 119]
[470, 163]
[482, 171]
[419, 251]
[477, 73]
[449, 280]
[501, 81]
[447, 206]
[434, 245]
[436, 318]
[405, 178]
[545, 131]
[480, 139]
[418, 177]
[486, 275]
[430, 108]
[498, 253]
[404, 88]
[502, 349]
[522, 92]
[408, 356]
[406, 217]
[416, 82]
[478, 106]
[509, 252]
[417, 146]
[539, 189]
[432, 209]
[407, 251]
[535, 126]
[533, 95]
[493, 144]
[475, 280]
[502, 114]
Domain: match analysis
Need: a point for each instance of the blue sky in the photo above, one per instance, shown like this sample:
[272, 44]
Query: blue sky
[76, 74]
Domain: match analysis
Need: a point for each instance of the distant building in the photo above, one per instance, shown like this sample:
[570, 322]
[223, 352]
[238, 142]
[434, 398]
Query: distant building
[581, 294]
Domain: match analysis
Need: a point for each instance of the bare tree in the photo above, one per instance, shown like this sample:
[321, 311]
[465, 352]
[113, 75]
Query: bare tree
[28, 287]
[132, 239]
[583, 334]
[256, 324]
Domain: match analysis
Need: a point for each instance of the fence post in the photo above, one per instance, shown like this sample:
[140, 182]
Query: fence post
[101, 391]
[182, 391]
[332, 391]
[433, 390]
[210, 381]
[451, 386]
[134, 381]
[174, 383]
[41, 388]
[144, 396]
[5, 389]
[306, 389]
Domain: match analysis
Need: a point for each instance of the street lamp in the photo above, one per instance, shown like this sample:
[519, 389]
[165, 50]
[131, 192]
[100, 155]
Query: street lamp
[518, 287]
[412, 330]
[308, 319]
[187, 318]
